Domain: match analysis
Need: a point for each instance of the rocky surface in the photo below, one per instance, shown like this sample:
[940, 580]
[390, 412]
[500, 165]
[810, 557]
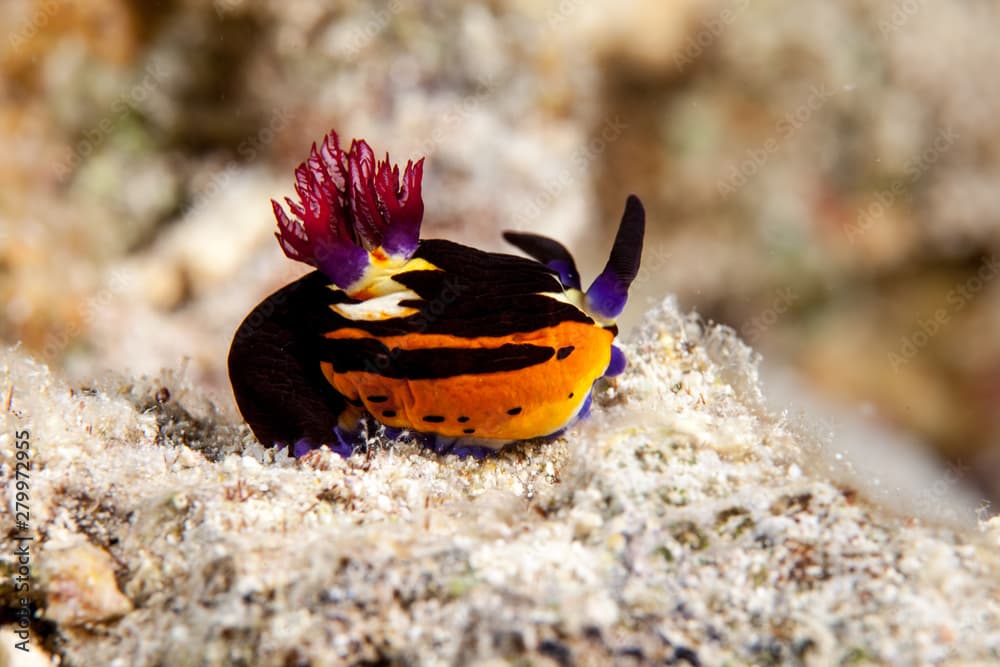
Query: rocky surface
[818, 175]
[681, 522]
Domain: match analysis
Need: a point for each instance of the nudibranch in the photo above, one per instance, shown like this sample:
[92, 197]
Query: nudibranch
[464, 348]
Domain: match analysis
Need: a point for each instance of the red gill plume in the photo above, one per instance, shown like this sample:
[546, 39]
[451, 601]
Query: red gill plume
[349, 205]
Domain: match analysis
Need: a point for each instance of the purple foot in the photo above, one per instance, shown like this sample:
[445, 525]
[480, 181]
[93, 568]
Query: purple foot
[343, 444]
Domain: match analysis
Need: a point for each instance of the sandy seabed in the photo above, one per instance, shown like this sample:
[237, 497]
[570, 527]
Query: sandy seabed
[680, 524]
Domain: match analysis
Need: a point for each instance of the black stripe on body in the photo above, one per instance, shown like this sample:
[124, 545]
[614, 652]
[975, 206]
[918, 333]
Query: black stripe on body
[473, 294]
[496, 315]
[370, 355]
[489, 269]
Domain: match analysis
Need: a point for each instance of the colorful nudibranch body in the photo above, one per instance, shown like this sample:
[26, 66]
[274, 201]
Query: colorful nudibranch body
[469, 348]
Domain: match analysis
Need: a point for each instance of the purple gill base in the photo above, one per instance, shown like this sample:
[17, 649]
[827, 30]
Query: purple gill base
[402, 237]
[343, 263]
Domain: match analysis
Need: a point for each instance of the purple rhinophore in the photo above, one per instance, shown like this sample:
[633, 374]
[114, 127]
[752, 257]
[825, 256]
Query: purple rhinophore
[607, 295]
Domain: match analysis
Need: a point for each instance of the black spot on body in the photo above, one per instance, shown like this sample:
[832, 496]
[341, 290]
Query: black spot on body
[463, 419]
[434, 419]
[514, 411]
[570, 395]
[469, 430]
[388, 413]
[564, 352]
[378, 399]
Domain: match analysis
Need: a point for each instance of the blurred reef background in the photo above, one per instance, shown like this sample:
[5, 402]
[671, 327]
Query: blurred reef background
[820, 176]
